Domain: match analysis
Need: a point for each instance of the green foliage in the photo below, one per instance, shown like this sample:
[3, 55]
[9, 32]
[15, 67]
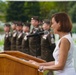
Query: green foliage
[32, 9]
[51, 13]
[16, 11]
[45, 72]
[49, 8]
[45, 8]
[74, 28]
[1, 29]
[2, 17]
[1, 42]
[71, 4]
[22, 11]
[72, 13]
[3, 7]
[62, 6]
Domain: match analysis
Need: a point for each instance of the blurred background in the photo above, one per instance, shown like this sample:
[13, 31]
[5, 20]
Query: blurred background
[23, 11]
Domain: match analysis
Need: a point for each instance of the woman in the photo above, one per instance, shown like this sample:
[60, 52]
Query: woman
[61, 25]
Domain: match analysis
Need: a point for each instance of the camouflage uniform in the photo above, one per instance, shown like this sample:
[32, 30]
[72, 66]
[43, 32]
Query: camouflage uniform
[25, 43]
[13, 40]
[34, 43]
[47, 46]
[7, 41]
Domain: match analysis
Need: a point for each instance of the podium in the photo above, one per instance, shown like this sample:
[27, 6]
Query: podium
[16, 63]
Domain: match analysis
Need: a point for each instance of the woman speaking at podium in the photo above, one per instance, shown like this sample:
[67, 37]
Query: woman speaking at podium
[63, 53]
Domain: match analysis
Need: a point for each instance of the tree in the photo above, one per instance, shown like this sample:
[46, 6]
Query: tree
[62, 6]
[32, 9]
[72, 13]
[72, 7]
[3, 7]
[16, 11]
[45, 8]
[49, 8]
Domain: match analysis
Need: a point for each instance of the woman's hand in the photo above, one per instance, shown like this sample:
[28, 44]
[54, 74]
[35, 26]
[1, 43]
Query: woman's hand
[42, 68]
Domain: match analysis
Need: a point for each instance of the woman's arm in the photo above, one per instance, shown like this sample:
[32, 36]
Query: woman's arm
[47, 63]
[63, 53]
[42, 64]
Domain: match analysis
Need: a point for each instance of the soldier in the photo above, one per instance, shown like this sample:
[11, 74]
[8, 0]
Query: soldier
[19, 36]
[47, 42]
[14, 36]
[25, 41]
[7, 38]
[34, 42]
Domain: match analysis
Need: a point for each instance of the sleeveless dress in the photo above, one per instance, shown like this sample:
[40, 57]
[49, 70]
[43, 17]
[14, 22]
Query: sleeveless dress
[69, 68]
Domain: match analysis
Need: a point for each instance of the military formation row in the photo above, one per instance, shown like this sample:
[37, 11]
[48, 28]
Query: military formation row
[31, 38]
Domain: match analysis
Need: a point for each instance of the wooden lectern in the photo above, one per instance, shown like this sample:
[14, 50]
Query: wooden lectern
[16, 63]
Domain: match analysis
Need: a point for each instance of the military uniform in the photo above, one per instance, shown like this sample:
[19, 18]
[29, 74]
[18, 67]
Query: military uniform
[19, 41]
[13, 40]
[25, 43]
[7, 41]
[34, 43]
[47, 46]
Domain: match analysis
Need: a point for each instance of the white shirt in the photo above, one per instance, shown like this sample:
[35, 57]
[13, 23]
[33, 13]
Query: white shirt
[68, 69]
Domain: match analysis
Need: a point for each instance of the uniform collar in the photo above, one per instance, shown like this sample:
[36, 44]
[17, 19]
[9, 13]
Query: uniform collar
[14, 30]
[6, 32]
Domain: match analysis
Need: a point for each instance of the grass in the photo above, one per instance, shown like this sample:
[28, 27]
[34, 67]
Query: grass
[45, 73]
[75, 41]
[1, 30]
[1, 42]
[1, 45]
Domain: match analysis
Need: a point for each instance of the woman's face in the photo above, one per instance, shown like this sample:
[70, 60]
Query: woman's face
[55, 26]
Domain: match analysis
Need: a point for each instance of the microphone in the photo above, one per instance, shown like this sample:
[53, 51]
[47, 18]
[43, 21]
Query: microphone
[44, 32]
[37, 34]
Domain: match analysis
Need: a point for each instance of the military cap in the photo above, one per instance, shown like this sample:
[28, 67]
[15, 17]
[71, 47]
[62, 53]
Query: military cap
[27, 24]
[47, 21]
[35, 18]
[19, 23]
[14, 22]
[7, 25]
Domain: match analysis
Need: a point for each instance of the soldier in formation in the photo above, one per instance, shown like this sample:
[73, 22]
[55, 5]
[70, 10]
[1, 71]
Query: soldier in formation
[25, 41]
[40, 46]
[14, 36]
[7, 38]
[19, 39]
[47, 42]
[34, 42]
